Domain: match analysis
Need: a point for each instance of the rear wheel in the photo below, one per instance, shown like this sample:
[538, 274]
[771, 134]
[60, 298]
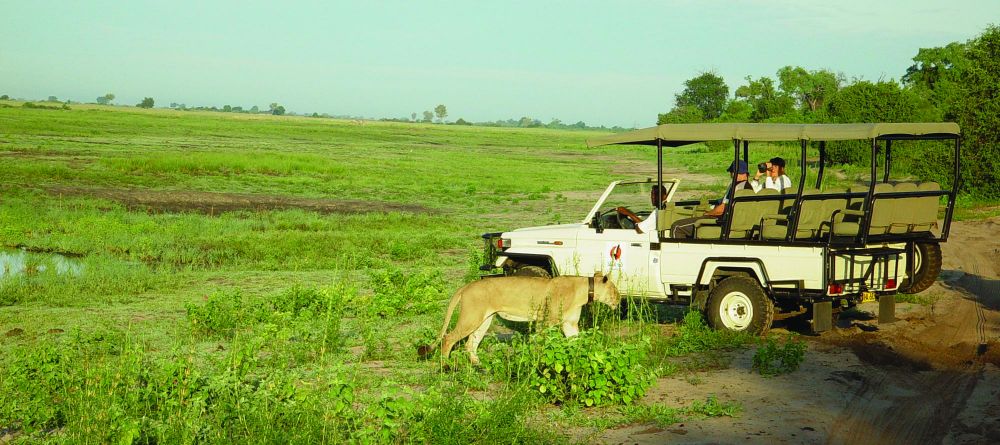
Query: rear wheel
[738, 304]
[531, 271]
[926, 267]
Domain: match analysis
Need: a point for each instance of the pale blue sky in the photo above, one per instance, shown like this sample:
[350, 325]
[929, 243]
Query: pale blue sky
[603, 62]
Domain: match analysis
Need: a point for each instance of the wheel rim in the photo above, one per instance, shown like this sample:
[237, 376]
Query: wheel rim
[917, 259]
[736, 311]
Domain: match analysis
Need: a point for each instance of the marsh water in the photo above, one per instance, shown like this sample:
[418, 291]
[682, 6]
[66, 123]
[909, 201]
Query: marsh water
[14, 262]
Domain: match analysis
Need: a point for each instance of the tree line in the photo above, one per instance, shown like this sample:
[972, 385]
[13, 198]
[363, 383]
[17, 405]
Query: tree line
[958, 82]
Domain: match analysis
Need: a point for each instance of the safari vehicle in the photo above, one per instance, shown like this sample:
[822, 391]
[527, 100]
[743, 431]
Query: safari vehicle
[810, 251]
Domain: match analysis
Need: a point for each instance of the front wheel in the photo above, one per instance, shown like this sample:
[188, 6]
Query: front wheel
[531, 271]
[738, 304]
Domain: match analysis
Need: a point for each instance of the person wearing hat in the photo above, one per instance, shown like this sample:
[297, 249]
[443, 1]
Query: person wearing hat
[684, 228]
[775, 179]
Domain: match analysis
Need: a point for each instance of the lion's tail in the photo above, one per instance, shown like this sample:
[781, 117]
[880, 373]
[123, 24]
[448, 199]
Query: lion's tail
[455, 299]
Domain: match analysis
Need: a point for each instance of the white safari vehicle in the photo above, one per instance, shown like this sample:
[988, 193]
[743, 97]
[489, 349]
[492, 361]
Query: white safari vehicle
[810, 251]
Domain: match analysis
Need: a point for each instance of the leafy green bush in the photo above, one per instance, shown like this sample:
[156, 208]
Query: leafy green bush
[590, 368]
[396, 293]
[770, 359]
[694, 335]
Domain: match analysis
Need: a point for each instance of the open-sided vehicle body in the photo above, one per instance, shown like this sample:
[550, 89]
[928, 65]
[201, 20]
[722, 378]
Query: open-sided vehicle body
[806, 250]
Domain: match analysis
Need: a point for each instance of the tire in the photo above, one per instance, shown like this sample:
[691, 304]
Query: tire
[927, 267]
[531, 271]
[738, 304]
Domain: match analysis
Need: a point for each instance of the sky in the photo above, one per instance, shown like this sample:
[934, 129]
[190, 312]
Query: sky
[602, 62]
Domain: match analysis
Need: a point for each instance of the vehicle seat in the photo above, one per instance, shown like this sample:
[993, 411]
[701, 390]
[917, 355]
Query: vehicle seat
[925, 214]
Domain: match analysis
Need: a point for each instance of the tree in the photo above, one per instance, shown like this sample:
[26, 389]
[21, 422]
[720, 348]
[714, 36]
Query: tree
[811, 88]
[441, 111]
[146, 103]
[873, 102]
[227, 108]
[53, 99]
[689, 114]
[708, 92]
[413, 116]
[237, 109]
[254, 109]
[4, 97]
[461, 121]
[977, 110]
[764, 99]
[276, 109]
[106, 99]
[935, 72]
[428, 116]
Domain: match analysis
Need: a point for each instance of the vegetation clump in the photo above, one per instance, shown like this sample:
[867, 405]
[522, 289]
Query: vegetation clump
[771, 359]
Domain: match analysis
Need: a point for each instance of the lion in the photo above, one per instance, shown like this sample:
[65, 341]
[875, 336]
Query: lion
[554, 301]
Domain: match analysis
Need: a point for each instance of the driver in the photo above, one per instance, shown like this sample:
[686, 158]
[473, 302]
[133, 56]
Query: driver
[657, 195]
[684, 228]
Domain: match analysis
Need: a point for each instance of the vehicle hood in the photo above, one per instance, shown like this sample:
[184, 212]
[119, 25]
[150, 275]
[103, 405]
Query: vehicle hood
[550, 228]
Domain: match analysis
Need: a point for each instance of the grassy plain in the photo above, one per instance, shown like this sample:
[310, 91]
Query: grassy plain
[248, 277]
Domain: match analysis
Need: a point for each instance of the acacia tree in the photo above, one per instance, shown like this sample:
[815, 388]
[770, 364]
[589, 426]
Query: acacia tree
[811, 88]
[441, 111]
[146, 103]
[708, 92]
[106, 99]
[428, 116]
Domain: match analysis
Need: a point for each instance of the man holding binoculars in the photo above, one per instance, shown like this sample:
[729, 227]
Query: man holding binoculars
[775, 179]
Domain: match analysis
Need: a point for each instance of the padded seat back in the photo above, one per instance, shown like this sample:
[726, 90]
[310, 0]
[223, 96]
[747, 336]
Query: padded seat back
[925, 213]
[905, 209]
[883, 212]
[746, 215]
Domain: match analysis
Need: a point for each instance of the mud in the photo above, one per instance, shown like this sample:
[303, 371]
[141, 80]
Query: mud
[209, 203]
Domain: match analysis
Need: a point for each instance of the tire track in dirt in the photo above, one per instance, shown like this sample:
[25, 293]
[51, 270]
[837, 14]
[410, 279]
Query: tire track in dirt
[904, 407]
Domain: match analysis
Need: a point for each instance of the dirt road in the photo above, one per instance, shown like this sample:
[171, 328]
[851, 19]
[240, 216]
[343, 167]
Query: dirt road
[933, 376]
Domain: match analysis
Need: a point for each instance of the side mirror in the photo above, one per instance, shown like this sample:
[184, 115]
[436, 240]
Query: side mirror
[595, 222]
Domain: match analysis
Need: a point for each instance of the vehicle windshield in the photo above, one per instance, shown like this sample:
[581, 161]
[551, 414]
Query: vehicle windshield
[633, 196]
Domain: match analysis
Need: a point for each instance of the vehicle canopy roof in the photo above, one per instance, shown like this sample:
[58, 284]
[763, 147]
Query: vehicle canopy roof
[675, 135]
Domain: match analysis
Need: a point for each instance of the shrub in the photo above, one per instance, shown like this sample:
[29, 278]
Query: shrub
[770, 359]
[590, 368]
[394, 293]
[694, 335]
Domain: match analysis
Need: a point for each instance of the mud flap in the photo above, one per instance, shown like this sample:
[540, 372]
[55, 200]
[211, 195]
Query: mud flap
[822, 316]
[886, 309]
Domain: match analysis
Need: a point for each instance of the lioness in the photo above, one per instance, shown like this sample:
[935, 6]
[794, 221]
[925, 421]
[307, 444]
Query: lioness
[552, 300]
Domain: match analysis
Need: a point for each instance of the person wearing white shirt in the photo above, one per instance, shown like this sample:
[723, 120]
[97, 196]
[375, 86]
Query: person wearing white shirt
[775, 179]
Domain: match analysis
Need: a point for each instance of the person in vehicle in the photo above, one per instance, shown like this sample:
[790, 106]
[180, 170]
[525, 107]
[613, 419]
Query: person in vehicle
[684, 228]
[657, 195]
[774, 176]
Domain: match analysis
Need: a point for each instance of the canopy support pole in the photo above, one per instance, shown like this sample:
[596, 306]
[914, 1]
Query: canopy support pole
[793, 217]
[866, 220]
[888, 160]
[659, 173]
[727, 213]
[822, 162]
[954, 190]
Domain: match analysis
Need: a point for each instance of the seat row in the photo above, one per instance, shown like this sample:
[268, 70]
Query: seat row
[821, 213]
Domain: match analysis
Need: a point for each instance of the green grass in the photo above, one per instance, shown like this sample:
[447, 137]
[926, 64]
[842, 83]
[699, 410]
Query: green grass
[289, 324]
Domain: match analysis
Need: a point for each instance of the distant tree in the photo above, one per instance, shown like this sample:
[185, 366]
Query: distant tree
[227, 108]
[428, 116]
[708, 92]
[146, 103]
[811, 88]
[461, 121]
[441, 112]
[413, 116]
[764, 99]
[254, 109]
[276, 109]
[737, 111]
[237, 109]
[688, 114]
[580, 124]
[53, 99]
[935, 71]
[5, 97]
[106, 99]
[173, 104]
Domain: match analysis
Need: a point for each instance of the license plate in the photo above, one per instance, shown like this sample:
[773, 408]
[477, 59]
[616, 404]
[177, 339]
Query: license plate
[867, 297]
